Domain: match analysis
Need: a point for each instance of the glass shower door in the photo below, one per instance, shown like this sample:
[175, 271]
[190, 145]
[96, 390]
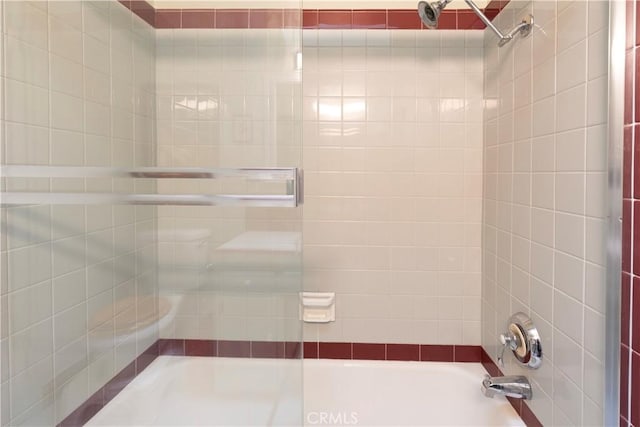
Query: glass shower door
[151, 221]
[230, 98]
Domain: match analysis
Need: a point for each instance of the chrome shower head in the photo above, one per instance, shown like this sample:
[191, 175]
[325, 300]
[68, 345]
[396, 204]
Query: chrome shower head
[429, 12]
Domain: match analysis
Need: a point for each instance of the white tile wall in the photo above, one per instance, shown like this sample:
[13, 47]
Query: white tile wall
[393, 167]
[73, 70]
[544, 199]
[392, 131]
[229, 99]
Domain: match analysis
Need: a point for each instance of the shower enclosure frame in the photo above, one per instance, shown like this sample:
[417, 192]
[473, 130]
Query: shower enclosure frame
[617, 26]
[613, 242]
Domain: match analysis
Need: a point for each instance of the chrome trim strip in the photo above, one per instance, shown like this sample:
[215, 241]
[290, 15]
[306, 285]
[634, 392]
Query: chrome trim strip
[28, 198]
[617, 25]
[44, 171]
[292, 176]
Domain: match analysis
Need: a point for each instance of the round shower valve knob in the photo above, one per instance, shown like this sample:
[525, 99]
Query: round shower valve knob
[509, 341]
[523, 340]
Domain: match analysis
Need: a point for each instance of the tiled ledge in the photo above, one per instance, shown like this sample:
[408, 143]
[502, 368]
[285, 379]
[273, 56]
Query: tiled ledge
[402, 19]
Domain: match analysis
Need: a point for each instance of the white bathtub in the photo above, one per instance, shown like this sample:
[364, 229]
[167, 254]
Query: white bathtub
[401, 394]
[189, 391]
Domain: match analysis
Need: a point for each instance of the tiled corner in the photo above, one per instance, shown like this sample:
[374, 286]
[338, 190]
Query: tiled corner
[544, 201]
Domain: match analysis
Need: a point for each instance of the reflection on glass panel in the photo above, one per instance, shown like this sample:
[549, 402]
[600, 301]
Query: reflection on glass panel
[232, 274]
[102, 255]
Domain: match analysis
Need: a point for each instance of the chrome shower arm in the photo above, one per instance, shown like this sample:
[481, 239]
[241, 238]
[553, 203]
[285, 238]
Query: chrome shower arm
[486, 20]
[524, 27]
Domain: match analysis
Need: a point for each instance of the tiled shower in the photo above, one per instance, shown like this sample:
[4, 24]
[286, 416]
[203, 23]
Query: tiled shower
[448, 183]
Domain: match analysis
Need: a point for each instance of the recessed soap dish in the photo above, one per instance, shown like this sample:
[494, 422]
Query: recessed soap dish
[318, 307]
[523, 340]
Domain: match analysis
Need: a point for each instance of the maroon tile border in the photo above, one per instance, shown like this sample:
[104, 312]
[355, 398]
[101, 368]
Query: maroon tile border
[369, 19]
[629, 77]
[168, 18]
[293, 350]
[292, 18]
[202, 348]
[627, 156]
[334, 350]
[449, 20]
[409, 20]
[231, 18]
[198, 18]
[624, 381]
[334, 19]
[634, 153]
[635, 388]
[227, 348]
[497, 4]
[266, 18]
[168, 347]
[105, 394]
[635, 319]
[627, 237]
[321, 350]
[268, 349]
[234, 348]
[310, 350]
[625, 307]
[144, 10]
[369, 351]
[437, 353]
[402, 19]
[467, 353]
[310, 19]
[406, 352]
[399, 352]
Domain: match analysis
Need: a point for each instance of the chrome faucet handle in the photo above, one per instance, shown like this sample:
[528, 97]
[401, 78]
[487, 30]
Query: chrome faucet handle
[523, 340]
[510, 340]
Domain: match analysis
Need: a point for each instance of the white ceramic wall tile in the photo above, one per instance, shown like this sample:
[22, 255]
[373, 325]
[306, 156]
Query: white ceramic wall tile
[28, 22]
[566, 57]
[416, 161]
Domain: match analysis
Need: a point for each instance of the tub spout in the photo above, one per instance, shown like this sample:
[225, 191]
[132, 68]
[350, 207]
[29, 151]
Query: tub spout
[516, 386]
